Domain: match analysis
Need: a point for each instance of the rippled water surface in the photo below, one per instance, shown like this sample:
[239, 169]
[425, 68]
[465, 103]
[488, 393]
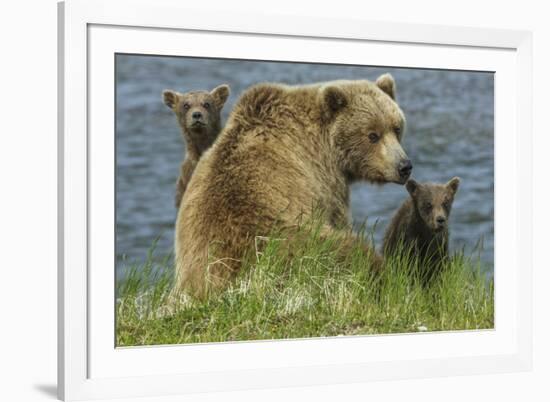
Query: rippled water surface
[449, 133]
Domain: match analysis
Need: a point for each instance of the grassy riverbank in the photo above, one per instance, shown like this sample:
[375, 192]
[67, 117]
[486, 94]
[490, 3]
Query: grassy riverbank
[309, 294]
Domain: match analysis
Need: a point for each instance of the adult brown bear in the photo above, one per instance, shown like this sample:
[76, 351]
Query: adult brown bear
[284, 150]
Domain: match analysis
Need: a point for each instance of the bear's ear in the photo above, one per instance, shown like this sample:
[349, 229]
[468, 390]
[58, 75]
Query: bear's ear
[335, 98]
[387, 84]
[170, 98]
[412, 187]
[220, 94]
[452, 184]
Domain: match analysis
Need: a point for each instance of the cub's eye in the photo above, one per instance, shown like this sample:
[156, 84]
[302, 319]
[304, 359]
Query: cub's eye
[428, 206]
[186, 106]
[206, 105]
[374, 137]
[446, 204]
[397, 130]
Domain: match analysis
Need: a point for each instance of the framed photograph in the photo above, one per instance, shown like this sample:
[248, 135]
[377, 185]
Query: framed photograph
[253, 201]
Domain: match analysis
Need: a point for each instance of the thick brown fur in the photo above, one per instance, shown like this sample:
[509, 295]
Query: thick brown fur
[285, 151]
[421, 225]
[199, 132]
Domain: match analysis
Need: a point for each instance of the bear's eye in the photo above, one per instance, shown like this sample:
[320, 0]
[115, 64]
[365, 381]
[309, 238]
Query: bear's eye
[206, 105]
[374, 137]
[397, 130]
[186, 106]
[446, 204]
[428, 206]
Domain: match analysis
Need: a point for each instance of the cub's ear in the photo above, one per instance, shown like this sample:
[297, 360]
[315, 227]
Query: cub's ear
[220, 94]
[387, 84]
[335, 98]
[170, 98]
[412, 187]
[453, 184]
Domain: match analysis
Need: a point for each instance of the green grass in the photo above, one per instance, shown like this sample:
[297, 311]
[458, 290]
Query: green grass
[308, 291]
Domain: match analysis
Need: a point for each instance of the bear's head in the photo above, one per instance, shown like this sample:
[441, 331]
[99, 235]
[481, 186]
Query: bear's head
[433, 202]
[366, 126]
[197, 111]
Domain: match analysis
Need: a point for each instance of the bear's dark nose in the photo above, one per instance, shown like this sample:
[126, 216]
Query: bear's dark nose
[440, 220]
[197, 115]
[405, 168]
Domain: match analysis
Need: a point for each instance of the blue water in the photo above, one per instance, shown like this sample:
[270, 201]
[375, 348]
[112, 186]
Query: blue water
[449, 133]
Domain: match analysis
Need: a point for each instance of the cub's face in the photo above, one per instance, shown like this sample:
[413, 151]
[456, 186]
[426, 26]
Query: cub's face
[198, 110]
[433, 201]
[367, 126]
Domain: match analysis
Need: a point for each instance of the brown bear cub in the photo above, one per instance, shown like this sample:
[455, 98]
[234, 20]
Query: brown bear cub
[198, 115]
[284, 150]
[421, 225]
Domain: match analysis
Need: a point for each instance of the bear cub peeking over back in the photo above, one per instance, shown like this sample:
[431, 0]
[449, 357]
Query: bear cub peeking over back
[198, 115]
[421, 225]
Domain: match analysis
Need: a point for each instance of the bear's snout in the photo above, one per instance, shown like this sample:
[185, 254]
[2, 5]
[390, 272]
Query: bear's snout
[405, 168]
[440, 222]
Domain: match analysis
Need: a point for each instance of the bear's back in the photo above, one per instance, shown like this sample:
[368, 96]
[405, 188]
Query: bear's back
[255, 166]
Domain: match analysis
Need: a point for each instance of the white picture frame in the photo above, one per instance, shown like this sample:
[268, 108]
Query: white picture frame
[90, 367]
